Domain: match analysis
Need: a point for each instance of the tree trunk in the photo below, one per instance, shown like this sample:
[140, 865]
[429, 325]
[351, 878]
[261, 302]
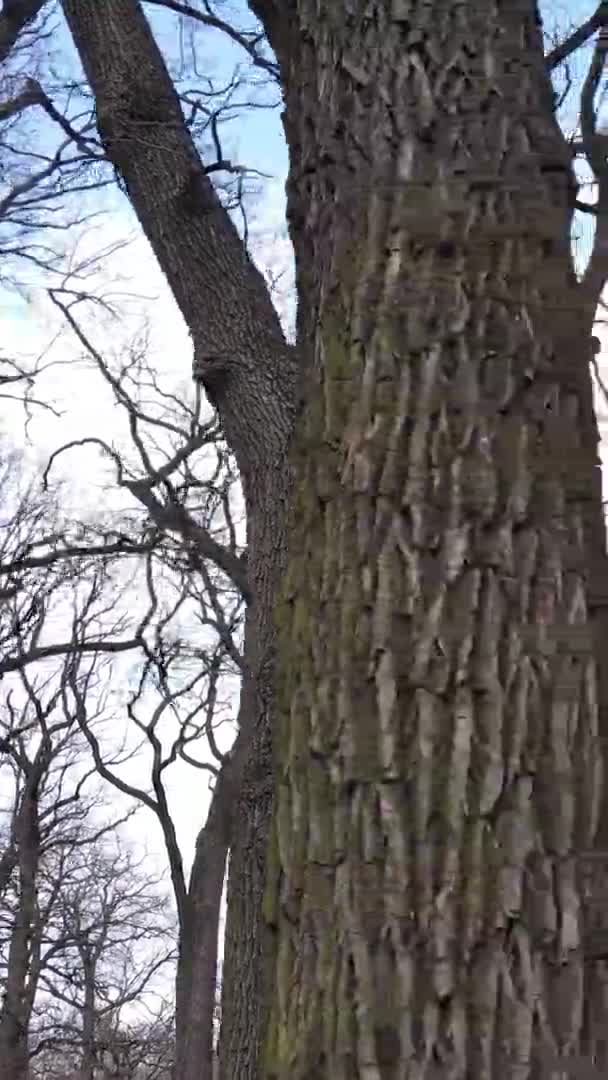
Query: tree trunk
[245, 989]
[88, 1015]
[24, 946]
[250, 376]
[196, 983]
[438, 746]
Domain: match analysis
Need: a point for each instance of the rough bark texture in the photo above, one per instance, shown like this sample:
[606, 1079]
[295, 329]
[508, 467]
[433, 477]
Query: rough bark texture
[246, 978]
[249, 374]
[438, 753]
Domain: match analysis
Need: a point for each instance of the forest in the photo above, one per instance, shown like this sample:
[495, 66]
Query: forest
[303, 565]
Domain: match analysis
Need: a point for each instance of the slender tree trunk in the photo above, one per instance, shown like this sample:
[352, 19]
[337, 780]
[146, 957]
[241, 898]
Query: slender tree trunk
[245, 990]
[88, 1018]
[438, 748]
[23, 950]
[250, 375]
[248, 943]
[196, 983]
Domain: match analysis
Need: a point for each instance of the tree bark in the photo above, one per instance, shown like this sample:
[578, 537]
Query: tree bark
[246, 988]
[438, 748]
[24, 945]
[88, 1017]
[250, 376]
[196, 983]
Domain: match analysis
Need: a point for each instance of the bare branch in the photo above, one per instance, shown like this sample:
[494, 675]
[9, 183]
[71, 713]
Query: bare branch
[579, 37]
[15, 17]
[249, 41]
[123, 546]
[175, 517]
[596, 151]
[172, 515]
[65, 648]
[237, 360]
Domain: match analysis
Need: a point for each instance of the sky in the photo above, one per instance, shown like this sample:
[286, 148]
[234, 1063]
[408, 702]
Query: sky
[132, 278]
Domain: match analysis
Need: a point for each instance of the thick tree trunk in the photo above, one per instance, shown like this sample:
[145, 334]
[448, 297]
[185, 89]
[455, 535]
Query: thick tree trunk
[428, 202]
[438, 749]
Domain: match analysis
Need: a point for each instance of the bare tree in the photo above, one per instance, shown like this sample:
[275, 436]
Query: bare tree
[203, 583]
[178, 700]
[81, 927]
[51, 612]
[140, 1049]
[176, 708]
[113, 938]
[143, 1051]
[48, 814]
[28, 198]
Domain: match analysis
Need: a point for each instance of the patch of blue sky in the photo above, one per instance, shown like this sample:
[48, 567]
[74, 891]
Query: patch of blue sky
[250, 136]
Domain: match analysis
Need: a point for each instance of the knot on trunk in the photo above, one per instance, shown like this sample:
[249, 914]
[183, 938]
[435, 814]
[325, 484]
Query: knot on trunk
[213, 371]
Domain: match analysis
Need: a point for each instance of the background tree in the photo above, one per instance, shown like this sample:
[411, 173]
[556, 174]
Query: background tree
[83, 934]
[141, 1050]
[113, 940]
[61, 627]
[49, 819]
[201, 119]
[39, 740]
[170, 536]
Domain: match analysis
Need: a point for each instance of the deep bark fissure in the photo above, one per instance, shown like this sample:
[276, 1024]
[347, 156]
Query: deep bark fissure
[439, 750]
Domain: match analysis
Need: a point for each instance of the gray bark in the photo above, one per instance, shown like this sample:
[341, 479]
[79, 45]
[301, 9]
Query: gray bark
[439, 736]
